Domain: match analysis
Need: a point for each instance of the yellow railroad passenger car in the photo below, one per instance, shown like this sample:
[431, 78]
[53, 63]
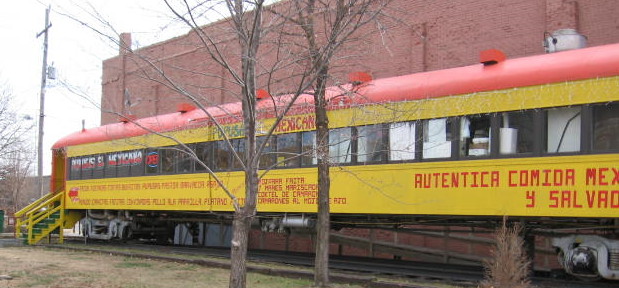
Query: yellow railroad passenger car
[535, 139]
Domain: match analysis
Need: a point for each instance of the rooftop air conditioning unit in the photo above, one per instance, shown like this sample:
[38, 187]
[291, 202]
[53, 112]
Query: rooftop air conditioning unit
[564, 39]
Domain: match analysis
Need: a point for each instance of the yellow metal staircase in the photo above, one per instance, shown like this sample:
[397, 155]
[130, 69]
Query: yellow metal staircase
[42, 218]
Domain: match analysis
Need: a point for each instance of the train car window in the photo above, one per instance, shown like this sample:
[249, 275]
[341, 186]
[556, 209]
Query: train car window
[402, 141]
[370, 143]
[340, 145]
[563, 128]
[288, 150]
[99, 170]
[239, 147]
[168, 157]
[184, 161]
[88, 166]
[437, 138]
[222, 156]
[76, 168]
[110, 167]
[125, 162]
[267, 157]
[605, 127]
[475, 135]
[123, 167]
[517, 132]
[204, 153]
[308, 148]
[136, 160]
[152, 162]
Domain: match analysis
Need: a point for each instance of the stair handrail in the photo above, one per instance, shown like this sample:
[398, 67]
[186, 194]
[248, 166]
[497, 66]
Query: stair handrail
[37, 215]
[42, 216]
[38, 211]
[36, 203]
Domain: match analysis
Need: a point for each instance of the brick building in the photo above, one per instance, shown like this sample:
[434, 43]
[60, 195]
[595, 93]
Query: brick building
[423, 35]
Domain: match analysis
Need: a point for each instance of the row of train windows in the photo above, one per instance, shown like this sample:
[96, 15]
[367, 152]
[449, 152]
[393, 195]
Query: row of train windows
[556, 131]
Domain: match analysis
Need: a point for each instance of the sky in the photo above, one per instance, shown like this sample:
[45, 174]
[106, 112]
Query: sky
[75, 51]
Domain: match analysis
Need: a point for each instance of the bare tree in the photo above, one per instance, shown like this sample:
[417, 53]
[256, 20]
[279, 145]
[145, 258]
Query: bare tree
[242, 68]
[509, 265]
[15, 152]
[327, 27]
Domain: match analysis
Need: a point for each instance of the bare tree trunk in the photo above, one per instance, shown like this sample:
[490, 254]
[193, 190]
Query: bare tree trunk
[238, 253]
[249, 39]
[321, 266]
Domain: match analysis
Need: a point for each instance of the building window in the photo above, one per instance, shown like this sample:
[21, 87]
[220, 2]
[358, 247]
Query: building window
[563, 130]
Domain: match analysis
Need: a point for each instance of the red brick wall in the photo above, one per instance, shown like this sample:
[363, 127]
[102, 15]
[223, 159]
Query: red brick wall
[427, 35]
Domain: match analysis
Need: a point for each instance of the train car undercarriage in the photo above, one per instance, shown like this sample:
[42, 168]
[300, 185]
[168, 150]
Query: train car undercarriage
[589, 257]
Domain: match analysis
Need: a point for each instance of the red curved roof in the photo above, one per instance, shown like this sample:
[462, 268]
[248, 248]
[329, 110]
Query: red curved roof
[600, 61]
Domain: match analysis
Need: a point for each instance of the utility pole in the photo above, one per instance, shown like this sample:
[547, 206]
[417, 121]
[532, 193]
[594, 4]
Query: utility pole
[42, 103]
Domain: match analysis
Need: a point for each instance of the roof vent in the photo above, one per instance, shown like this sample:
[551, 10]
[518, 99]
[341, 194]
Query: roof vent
[358, 78]
[127, 118]
[185, 107]
[262, 94]
[491, 57]
[564, 39]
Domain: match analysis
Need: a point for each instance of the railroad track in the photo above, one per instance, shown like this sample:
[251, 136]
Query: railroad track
[370, 272]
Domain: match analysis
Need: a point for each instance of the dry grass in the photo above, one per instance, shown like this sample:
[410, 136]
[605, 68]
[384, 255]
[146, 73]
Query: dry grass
[509, 266]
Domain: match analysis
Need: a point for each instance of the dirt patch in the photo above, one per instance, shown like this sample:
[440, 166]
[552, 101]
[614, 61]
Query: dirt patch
[45, 267]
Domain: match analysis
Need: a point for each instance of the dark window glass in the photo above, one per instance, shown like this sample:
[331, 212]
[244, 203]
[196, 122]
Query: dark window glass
[152, 161]
[475, 135]
[99, 170]
[222, 155]
[204, 153]
[267, 157]
[123, 168]
[76, 168]
[137, 160]
[168, 155]
[340, 145]
[308, 148]
[239, 146]
[184, 161]
[288, 150]
[517, 132]
[563, 130]
[606, 127]
[88, 166]
[370, 143]
[110, 166]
